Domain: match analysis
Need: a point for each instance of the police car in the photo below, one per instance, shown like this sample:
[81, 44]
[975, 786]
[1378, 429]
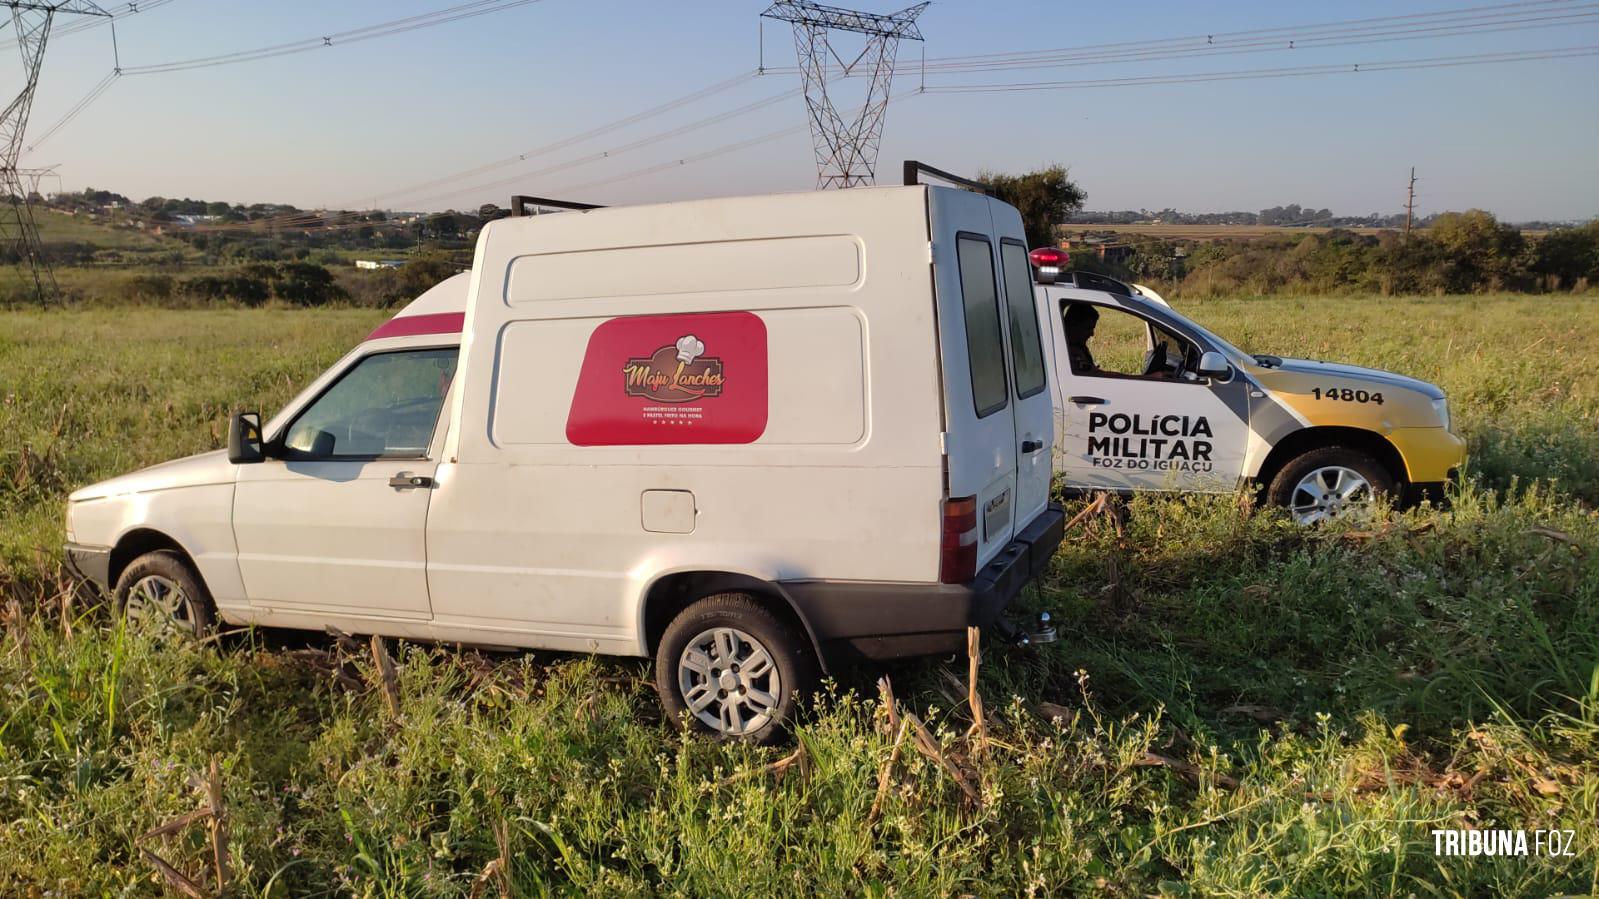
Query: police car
[1147, 399]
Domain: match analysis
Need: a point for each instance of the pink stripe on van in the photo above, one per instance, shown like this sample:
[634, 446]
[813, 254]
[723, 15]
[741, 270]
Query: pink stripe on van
[412, 325]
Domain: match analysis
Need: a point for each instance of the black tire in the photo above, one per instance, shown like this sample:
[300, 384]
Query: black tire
[791, 656]
[192, 612]
[1281, 492]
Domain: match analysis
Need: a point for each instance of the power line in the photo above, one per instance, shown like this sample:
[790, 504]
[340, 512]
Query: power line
[1278, 45]
[1281, 30]
[644, 115]
[318, 221]
[1249, 74]
[572, 189]
[100, 87]
[369, 32]
[350, 220]
[73, 27]
[1428, 22]
[595, 156]
[625, 148]
[382, 29]
[1310, 30]
[1351, 32]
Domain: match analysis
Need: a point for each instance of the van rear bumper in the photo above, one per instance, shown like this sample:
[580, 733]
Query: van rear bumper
[856, 620]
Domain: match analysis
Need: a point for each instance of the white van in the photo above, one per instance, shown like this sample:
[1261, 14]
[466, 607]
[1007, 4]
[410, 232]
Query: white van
[751, 437]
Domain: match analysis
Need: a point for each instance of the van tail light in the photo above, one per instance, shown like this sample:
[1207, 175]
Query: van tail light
[957, 548]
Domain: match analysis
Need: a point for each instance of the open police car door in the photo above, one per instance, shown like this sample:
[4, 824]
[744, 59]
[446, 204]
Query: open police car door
[1131, 412]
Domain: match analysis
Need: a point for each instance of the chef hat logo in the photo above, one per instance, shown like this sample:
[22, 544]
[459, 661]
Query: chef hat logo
[689, 348]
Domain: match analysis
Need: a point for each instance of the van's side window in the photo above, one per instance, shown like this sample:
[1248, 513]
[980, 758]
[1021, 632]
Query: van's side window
[385, 407]
[985, 345]
[1026, 349]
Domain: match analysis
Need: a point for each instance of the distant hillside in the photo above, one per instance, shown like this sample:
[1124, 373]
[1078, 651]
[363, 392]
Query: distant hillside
[61, 227]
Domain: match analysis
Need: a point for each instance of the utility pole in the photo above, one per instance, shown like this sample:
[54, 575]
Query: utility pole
[1410, 201]
[846, 150]
[31, 24]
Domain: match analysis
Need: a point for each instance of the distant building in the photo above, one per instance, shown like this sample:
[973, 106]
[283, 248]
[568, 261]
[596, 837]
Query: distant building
[1106, 248]
[379, 263]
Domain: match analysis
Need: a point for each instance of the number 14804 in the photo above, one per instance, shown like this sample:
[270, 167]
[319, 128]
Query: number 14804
[1347, 395]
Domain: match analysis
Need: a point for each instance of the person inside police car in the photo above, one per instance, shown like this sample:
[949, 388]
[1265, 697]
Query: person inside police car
[1079, 320]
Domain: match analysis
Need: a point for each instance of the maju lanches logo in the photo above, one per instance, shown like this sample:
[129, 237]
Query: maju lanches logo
[679, 373]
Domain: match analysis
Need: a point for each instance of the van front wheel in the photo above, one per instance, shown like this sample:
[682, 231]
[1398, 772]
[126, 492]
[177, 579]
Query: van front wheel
[1327, 482]
[730, 668]
[160, 590]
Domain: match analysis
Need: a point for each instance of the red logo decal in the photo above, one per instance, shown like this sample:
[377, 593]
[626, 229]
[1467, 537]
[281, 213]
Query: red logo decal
[679, 373]
[699, 378]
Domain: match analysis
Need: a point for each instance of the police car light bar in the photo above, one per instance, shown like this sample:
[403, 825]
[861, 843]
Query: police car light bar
[1048, 263]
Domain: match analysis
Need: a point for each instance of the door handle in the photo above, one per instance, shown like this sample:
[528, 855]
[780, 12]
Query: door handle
[1032, 446]
[1087, 400]
[407, 481]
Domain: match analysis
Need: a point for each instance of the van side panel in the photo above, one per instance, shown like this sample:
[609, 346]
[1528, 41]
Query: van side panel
[530, 532]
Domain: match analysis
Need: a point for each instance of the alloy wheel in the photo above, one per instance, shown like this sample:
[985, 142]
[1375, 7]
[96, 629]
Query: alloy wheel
[1328, 492]
[729, 681]
[159, 601]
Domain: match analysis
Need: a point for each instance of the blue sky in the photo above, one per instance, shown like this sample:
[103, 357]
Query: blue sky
[349, 125]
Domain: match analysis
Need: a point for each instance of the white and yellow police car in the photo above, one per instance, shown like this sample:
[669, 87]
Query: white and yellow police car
[1147, 399]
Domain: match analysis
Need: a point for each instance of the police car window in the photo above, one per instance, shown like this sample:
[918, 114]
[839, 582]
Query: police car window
[1124, 345]
[386, 406]
[985, 346]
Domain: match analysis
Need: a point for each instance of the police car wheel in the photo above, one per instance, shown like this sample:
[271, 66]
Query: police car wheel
[1328, 482]
[729, 668]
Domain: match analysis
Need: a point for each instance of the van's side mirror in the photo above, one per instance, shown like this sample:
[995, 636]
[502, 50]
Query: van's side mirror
[244, 438]
[1214, 365]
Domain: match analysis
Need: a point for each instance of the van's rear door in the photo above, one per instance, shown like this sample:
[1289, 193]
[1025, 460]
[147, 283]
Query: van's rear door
[979, 411]
[1030, 393]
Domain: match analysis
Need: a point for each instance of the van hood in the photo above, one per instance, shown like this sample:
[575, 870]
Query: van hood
[191, 471]
[1315, 367]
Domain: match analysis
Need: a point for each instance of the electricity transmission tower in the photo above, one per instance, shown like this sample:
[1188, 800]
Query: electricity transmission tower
[846, 148]
[31, 22]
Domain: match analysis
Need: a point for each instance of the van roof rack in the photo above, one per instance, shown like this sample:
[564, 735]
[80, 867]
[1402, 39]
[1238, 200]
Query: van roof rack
[914, 170]
[520, 204]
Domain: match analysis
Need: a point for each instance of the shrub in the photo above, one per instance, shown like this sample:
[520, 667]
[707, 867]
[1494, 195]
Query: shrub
[1568, 257]
[152, 288]
[238, 287]
[306, 284]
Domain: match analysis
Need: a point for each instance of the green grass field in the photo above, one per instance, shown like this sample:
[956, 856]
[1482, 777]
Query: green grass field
[1235, 707]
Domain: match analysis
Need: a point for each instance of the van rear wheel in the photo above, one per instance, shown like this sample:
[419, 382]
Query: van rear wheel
[728, 667]
[161, 590]
[1328, 482]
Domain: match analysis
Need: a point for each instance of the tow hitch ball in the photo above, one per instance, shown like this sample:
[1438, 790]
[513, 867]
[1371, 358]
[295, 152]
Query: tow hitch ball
[1039, 630]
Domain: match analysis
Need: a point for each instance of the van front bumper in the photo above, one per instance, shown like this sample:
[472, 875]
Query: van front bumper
[90, 563]
[856, 620]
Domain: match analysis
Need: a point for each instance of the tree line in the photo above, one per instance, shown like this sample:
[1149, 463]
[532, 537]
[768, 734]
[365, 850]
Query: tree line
[1457, 252]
